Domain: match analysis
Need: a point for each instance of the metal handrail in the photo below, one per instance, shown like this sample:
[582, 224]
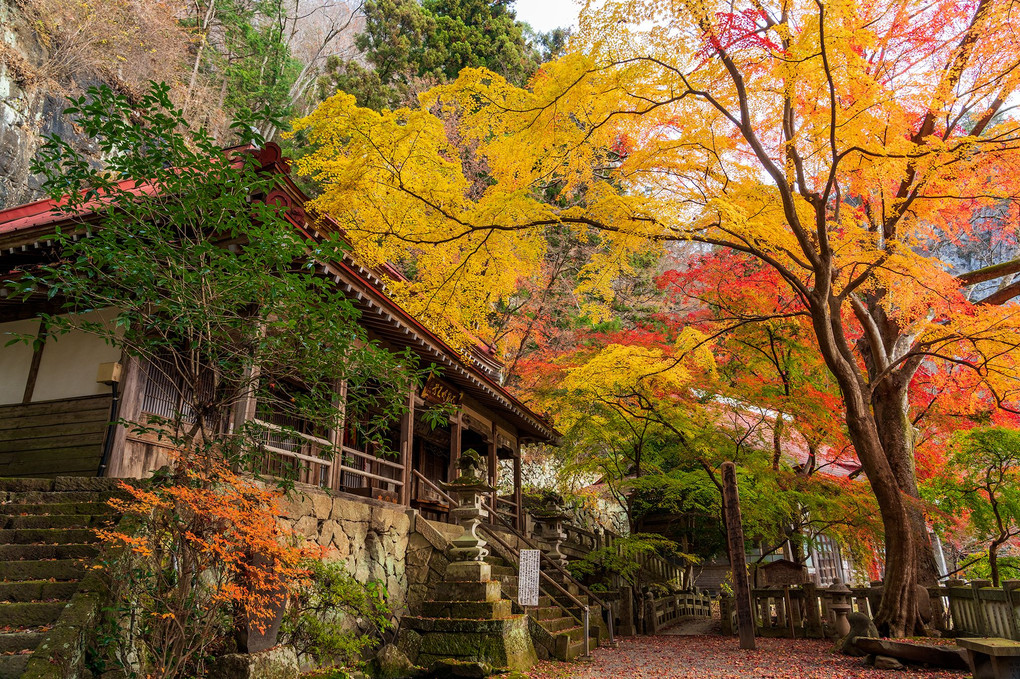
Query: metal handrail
[542, 555]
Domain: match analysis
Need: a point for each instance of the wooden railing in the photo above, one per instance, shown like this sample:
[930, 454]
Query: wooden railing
[667, 609]
[303, 450]
[507, 508]
[365, 467]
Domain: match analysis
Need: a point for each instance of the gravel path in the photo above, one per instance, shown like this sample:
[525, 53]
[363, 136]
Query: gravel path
[717, 657]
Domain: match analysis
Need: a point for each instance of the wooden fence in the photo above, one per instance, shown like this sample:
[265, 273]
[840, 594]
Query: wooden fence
[978, 609]
[957, 608]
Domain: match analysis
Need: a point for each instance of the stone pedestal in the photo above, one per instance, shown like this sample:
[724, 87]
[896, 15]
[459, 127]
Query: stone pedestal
[276, 663]
[469, 620]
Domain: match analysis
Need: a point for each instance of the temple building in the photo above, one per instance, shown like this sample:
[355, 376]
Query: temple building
[60, 395]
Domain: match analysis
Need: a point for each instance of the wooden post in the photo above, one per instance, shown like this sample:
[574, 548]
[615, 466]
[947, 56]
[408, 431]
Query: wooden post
[338, 436]
[493, 474]
[738, 562]
[518, 496]
[790, 620]
[132, 389]
[455, 432]
[406, 448]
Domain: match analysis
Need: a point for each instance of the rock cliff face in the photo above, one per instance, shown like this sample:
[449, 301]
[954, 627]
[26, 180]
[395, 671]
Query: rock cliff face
[31, 104]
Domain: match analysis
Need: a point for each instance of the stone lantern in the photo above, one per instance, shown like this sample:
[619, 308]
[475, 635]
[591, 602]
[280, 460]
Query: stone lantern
[550, 520]
[840, 606]
[467, 556]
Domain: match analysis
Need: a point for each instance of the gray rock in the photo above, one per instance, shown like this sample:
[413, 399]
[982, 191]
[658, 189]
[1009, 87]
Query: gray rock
[391, 663]
[459, 669]
[860, 626]
[884, 662]
[276, 663]
[924, 604]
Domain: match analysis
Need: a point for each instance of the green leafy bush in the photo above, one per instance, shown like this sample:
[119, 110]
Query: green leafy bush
[334, 618]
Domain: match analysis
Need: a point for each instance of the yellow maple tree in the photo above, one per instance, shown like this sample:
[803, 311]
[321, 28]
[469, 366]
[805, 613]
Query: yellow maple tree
[847, 144]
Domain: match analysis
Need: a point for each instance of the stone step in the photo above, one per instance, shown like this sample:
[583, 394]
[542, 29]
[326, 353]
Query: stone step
[32, 552]
[47, 536]
[30, 614]
[57, 570]
[56, 508]
[12, 642]
[496, 560]
[449, 531]
[53, 497]
[576, 633]
[37, 590]
[8, 485]
[10, 522]
[13, 666]
[503, 571]
[554, 625]
[64, 483]
[574, 651]
[547, 613]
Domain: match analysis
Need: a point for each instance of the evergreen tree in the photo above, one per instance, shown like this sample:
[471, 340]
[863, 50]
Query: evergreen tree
[407, 47]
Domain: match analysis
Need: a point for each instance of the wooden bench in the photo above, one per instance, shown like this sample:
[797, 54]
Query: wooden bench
[992, 658]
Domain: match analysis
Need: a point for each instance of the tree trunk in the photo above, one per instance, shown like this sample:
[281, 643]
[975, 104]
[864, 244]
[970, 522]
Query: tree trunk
[898, 611]
[889, 402]
[993, 561]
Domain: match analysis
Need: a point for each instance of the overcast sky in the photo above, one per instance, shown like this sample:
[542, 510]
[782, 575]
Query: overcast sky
[545, 15]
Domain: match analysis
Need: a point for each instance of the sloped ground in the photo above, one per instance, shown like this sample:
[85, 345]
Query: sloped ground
[718, 657]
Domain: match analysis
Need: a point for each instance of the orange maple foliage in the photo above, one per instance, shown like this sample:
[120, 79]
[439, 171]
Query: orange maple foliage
[200, 546]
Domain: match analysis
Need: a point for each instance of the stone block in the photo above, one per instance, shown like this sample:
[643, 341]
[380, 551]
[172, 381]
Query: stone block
[503, 644]
[884, 662]
[860, 626]
[322, 505]
[449, 668]
[276, 663]
[326, 533]
[350, 510]
[295, 504]
[947, 657]
[482, 610]
[468, 591]
[474, 571]
[409, 643]
[308, 527]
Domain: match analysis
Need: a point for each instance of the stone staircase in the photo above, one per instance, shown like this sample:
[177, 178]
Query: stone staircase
[559, 631]
[555, 632]
[46, 542]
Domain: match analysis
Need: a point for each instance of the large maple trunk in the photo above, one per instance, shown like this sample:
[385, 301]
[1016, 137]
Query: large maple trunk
[897, 433]
[897, 613]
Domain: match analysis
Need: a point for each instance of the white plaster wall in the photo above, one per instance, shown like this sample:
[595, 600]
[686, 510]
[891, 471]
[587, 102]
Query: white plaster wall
[15, 360]
[70, 362]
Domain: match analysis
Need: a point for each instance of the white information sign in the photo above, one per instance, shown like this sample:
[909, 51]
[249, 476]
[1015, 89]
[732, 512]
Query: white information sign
[527, 578]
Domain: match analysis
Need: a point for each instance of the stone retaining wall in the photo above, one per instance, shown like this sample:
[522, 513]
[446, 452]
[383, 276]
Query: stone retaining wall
[369, 536]
[426, 563]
